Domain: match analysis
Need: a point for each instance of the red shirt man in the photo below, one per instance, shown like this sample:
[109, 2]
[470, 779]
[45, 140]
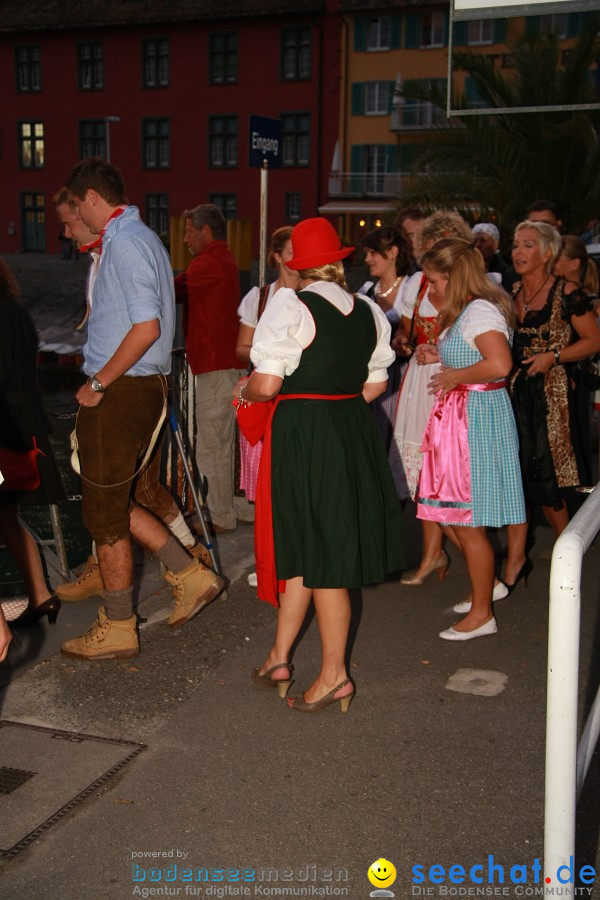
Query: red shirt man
[210, 290]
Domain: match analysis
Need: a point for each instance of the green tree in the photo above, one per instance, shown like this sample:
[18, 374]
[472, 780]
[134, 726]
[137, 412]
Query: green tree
[503, 162]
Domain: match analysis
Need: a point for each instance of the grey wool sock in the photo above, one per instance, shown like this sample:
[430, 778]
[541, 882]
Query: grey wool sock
[119, 604]
[173, 555]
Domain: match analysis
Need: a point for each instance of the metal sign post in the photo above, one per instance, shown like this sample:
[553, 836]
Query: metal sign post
[264, 152]
[264, 196]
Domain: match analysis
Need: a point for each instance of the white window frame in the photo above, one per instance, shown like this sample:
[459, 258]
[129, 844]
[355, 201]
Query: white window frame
[435, 36]
[379, 34]
[377, 98]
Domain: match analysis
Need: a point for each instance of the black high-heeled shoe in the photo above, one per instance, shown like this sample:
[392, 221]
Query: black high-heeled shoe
[524, 573]
[33, 614]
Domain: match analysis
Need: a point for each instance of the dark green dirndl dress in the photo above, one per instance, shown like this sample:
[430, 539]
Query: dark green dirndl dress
[337, 520]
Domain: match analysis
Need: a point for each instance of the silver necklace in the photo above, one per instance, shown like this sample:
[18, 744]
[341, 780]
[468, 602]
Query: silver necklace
[390, 289]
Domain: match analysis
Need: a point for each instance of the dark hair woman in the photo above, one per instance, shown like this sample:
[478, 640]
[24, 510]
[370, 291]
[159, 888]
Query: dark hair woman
[23, 425]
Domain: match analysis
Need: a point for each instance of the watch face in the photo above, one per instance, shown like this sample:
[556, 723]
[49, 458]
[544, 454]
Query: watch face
[96, 386]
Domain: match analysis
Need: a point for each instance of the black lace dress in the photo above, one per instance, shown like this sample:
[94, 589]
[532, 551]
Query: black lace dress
[551, 408]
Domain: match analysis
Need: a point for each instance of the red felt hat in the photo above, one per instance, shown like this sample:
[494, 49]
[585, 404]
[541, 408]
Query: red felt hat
[315, 243]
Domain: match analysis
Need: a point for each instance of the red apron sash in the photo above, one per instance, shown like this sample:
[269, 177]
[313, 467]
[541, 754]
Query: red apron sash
[264, 546]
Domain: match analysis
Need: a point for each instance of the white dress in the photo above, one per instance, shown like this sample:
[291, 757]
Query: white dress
[414, 402]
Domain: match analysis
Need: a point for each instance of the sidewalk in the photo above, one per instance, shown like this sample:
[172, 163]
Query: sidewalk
[229, 778]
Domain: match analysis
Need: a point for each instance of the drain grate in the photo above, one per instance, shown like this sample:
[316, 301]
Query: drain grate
[68, 767]
[11, 779]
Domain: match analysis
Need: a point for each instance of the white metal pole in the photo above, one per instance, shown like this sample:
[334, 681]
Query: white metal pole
[264, 194]
[561, 712]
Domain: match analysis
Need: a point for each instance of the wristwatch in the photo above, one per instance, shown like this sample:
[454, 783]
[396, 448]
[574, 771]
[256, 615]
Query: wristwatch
[96, 385]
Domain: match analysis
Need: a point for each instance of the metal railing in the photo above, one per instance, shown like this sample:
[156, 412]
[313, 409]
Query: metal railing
[566, 764]
[364, 184]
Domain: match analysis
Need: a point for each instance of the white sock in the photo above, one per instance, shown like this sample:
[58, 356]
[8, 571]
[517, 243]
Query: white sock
[179, 529]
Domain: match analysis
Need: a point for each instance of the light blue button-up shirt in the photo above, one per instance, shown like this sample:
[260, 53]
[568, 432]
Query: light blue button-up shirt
[134, 284]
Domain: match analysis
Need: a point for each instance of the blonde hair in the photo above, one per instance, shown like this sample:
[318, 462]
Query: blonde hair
[441, 224]
[467, 279]
[333, 271]
[548, 238]
[574, 248]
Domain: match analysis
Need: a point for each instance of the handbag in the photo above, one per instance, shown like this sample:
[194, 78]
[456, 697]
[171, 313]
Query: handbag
[252, 419]
[20, 469]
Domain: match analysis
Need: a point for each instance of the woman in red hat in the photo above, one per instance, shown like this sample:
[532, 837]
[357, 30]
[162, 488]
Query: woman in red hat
[328, 518]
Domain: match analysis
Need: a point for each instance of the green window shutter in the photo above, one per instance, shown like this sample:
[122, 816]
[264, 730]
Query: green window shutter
[357, 168]
[499, 31]
[532, 24]
[461, 33]
[396, 33]
[360, 34]
[409, 110]
[412, 32]
[358, 98]
[575, 24]
[357, 157]
[391, 160]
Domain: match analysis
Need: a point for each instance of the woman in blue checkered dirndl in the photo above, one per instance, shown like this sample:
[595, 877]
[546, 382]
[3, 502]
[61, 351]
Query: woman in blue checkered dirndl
[471, 477]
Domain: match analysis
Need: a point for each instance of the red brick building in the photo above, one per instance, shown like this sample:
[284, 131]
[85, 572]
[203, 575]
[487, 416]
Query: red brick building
[165, 90]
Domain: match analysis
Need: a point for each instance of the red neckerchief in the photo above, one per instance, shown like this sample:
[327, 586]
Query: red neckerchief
[97, 244]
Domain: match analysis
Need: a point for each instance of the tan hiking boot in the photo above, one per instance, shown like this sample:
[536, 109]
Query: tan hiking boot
[89, 584]
[106, 639]
[193, 587]
[201, 553]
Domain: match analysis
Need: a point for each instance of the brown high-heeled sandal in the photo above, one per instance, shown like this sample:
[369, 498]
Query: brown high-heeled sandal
[300, 704]
[437, 564]
[265, 680]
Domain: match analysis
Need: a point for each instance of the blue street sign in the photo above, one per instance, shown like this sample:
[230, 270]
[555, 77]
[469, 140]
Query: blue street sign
[265, 142]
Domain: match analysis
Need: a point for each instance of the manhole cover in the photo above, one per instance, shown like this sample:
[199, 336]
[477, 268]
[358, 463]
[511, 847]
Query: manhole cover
[45, 772]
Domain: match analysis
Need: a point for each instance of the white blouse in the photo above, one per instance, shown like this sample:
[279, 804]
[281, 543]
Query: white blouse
[248, 308]
[287, 327]
[480, 317]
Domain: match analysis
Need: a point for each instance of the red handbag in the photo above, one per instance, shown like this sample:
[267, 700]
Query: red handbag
[252, 419]
[19, 469]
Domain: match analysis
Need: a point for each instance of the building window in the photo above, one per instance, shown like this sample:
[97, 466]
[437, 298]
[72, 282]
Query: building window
[155, 64]
[90, 67]
[432, 30]
[376, 162]
[295, 139]
[556, 23]
[157, 213]
[292, 207]
[481, 31]
[31, 145]
[422, 113]
[156, 141]
[28, 69]
[223, 150]
[377, 96]
[223, 59]
[378, 33]
[227, 203]
[92, 138]
[296, 54]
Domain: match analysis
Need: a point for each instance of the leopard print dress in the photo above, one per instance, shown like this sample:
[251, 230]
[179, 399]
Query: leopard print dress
[551, 433]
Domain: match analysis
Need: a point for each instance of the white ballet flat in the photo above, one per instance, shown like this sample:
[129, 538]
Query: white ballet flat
[252, 579]
[489, 627]
[499, 593]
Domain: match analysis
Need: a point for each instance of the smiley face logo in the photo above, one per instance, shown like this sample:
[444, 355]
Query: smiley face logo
[381, 873]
